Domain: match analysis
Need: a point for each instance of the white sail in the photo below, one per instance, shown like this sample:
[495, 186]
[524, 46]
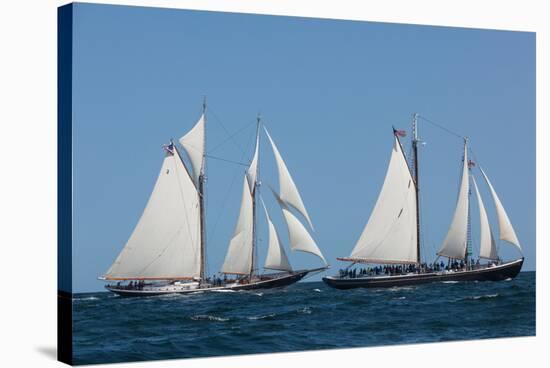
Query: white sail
[193, 143]
[300, 239]
[454, 245]
[505, 226]
[238, 259]
[391, 232]
[487, 246]
[252, 172]
[288, 192]
[166, 241]
[276, 257]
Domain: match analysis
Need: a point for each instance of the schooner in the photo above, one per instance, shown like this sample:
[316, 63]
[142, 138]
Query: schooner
[391, 238]
[166, 252]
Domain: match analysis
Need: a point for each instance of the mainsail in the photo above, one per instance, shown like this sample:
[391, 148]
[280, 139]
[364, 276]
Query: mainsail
[487, 246]
[238, 259]
[505, 226]
[390, 234]
[276, 257]
[288, 192]
[194, 142]
[165, 243]
[456, 240]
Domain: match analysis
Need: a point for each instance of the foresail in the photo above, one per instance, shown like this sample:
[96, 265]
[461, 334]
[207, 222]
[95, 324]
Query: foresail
[454, 245]
[390, 234]
[487, 246]
[288, 192]
[300, 239]
[238, 259]
[276, 257]
[505, 226]
[193, 143]
[166, 241]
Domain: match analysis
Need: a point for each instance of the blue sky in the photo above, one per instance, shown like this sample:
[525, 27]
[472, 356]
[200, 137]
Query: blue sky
[329, 92]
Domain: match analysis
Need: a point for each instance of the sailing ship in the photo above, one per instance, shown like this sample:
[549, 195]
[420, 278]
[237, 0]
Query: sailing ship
[166, 253]
[390, 241]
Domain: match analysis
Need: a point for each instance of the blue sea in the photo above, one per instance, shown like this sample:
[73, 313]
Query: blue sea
[304, 316]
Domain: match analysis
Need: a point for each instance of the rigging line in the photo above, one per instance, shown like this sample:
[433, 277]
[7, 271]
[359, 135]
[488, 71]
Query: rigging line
[230, 136]
[441, 127]
[226, 160]
[233, 180]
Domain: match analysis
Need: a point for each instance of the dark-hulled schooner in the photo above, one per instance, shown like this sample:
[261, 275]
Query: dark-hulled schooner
[166, 253]
[391, 238]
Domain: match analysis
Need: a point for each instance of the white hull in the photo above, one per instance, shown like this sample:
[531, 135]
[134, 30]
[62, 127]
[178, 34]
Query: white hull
[277, 280]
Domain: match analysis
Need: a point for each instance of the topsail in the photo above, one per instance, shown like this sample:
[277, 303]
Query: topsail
[193, 143]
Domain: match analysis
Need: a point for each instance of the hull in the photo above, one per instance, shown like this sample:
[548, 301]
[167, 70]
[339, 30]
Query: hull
[496, 273]
[268, 282]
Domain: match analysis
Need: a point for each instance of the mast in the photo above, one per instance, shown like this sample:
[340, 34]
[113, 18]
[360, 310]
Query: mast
[254, 220]
[469, 250]
[202, 179]
[416, 179]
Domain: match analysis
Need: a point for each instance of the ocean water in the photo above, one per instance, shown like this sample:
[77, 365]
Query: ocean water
[304, 316]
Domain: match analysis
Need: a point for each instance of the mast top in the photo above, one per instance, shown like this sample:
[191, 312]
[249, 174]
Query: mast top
[415, 127]
[204, 104]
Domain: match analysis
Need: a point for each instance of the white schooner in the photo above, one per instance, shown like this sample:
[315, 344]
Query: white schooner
[166, 252]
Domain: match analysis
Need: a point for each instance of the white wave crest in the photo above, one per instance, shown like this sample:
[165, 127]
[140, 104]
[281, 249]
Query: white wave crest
[207, 317]
[254, 318]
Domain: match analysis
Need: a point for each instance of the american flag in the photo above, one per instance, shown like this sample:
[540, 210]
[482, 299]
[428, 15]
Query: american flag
[471, 163]
[169, 148]
[400, 133]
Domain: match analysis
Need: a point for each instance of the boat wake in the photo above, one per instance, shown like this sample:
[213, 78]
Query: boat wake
[223, 291]
[85, 299]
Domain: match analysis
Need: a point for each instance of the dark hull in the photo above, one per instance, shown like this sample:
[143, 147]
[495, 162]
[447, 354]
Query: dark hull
[497, 273]
[268, 283]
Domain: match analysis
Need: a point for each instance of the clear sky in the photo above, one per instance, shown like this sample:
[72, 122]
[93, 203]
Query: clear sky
[329, 92]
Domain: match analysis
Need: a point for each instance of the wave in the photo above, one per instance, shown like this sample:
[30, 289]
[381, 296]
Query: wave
[317, 290]
[207, 317]
[304, 310]
[400, 288]
[266, 316]
[488, 296]
[449, 282]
